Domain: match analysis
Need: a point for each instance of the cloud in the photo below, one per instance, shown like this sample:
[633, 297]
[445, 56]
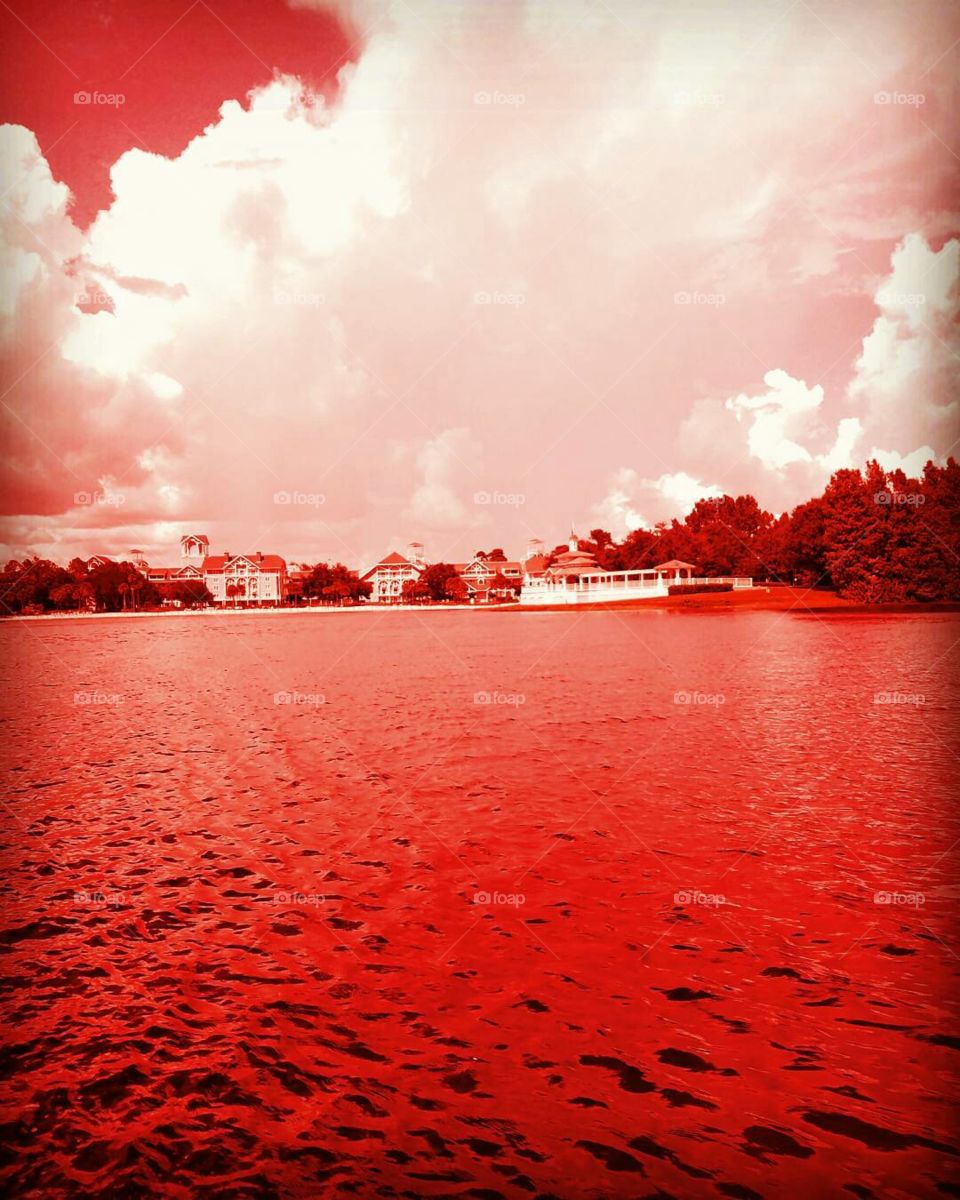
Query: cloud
[667, 497]
[616, 510]
[446, 466]
[904, 380]
[779, 415]
[787, 415]
[911, 464]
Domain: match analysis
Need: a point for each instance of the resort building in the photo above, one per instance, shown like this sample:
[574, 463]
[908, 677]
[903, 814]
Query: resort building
[575, 577]
[480, 576]
[237, 580]
[572, 563]
[389, 575]
[246, 580]
[194, 548]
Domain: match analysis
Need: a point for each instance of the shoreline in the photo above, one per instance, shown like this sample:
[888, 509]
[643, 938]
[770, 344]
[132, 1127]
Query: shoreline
[760, 599]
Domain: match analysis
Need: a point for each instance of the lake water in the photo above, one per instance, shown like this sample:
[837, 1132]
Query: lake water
[601, 904]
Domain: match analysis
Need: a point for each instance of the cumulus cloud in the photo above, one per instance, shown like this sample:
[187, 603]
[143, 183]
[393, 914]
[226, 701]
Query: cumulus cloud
[779, 416]
[664, 498]
[446, 465]
[905, 379]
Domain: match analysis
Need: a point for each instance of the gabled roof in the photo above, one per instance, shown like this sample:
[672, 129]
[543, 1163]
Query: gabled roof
[393, 559]
[490, 565]
[263, 562]
[189, 571]
[674, 564]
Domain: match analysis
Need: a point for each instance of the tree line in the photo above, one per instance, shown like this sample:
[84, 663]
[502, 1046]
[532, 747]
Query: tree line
[37, 585]
[874, 536]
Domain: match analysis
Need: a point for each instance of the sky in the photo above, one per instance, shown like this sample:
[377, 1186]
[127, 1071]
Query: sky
[324, 279]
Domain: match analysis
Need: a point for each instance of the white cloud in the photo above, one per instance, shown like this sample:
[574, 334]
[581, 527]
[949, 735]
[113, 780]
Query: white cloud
[616, 510]
[911, 464]
[447, 468]
[667, 497]
[904, 383]
[683, 490]
[779, 417]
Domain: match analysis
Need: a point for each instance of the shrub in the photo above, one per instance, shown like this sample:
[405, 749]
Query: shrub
[691, 589]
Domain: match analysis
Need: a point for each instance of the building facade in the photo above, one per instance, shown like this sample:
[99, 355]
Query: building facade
[246, 580]
[480, 576]
[194, 547]
[389, 575]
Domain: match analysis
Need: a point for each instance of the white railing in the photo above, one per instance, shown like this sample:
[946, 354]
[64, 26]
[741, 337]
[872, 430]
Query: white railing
[607, 586]
[737, 581]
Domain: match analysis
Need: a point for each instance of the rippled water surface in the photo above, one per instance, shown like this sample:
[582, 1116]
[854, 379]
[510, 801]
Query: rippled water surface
[481, 904]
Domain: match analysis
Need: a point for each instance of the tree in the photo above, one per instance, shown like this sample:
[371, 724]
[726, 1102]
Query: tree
[435, 577]
[723, 535]
[606, 550]
[335, 584]
[187, 593]
[856, 534]
[805, 550]
[500, 585]
[117, 586]
[414, 591]
[29, 584]
[455, 589]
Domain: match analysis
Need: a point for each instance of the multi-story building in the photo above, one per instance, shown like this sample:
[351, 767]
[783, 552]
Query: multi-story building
[388, 576]
[194, 548]
[246, 580]
[234, 580]
[480, 575]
